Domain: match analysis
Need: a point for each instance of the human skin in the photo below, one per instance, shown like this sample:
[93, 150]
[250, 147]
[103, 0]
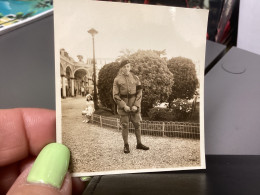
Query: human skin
[23, 134]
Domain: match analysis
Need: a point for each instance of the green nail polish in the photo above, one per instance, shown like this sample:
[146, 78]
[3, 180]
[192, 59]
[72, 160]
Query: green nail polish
[86, 178]
[51, 165]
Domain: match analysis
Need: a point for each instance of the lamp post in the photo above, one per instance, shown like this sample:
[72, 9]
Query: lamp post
[93, 32]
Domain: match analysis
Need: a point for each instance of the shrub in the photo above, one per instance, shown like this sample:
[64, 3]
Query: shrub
[160, 114]
[181, 109]
[106, 78]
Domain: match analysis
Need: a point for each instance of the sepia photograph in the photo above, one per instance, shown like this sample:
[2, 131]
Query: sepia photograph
[129, 86]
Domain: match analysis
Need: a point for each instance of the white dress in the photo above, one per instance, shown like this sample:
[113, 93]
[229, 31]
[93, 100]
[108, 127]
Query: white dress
[89, 108]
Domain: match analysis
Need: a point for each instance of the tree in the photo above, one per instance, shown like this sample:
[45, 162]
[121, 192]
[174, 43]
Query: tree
[44, 3]
[185, 78]
[106, 78]
[154, 75]
[159, 53]
[19, 15]
[125, 53]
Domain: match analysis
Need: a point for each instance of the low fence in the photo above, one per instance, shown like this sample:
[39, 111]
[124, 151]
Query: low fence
[154, 128]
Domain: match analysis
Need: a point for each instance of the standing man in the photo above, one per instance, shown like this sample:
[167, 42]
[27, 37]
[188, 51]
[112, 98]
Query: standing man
[127, 93]
[82, 91]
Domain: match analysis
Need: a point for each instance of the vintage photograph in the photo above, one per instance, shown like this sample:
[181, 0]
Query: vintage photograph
[129, 86]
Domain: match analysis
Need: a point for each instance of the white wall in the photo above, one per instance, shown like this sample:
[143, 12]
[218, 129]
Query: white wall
[249, 26]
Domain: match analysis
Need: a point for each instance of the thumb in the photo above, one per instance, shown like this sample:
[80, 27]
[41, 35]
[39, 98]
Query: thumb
[48, 174]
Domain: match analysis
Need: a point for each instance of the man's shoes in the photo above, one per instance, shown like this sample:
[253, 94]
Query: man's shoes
[142, 147]
[126, 149]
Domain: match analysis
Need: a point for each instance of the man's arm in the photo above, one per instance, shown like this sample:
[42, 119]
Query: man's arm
[116, 95]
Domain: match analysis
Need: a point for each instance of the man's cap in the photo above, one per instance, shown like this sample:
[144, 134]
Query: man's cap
[124, 62]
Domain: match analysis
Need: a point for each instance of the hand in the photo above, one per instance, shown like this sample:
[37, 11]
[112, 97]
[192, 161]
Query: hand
[127, 109]
[134, 108]
[23, 134]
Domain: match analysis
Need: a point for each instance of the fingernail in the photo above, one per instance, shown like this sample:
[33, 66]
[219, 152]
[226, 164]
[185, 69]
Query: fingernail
[51, 165]
[86, 178]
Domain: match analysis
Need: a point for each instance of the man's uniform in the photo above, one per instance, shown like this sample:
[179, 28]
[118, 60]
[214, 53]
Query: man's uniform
[127, 90]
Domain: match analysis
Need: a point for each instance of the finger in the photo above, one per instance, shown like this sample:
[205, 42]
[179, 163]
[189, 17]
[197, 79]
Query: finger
[78, 186]
[13, 142]
[24, 131]
[8, 177]
[24, 164]
[22, 187]
[40, 127]
[47, 173]
[10, 173]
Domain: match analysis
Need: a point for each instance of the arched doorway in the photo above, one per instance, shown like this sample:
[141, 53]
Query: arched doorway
[81, 81]
[62, 82]
[69, 85]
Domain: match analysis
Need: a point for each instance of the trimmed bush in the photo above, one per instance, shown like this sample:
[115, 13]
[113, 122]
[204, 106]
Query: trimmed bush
[185, 78]
[106, 78]
[160, 114]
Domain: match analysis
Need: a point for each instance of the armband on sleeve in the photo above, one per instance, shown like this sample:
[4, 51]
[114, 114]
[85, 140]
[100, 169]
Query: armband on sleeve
[139, 87]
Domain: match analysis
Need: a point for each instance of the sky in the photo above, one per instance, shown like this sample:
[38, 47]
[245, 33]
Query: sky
[120, 26]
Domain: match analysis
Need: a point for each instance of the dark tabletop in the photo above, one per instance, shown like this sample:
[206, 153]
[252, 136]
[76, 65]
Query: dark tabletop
[224, 175]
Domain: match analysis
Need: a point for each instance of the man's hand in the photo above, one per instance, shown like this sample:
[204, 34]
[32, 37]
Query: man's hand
[134, 108]
[127, 109]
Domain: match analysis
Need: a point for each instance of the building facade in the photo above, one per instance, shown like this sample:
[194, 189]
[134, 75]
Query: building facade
[77, 76]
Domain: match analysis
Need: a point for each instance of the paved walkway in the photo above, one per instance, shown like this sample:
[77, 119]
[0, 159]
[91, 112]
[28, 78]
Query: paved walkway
[96, 149]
